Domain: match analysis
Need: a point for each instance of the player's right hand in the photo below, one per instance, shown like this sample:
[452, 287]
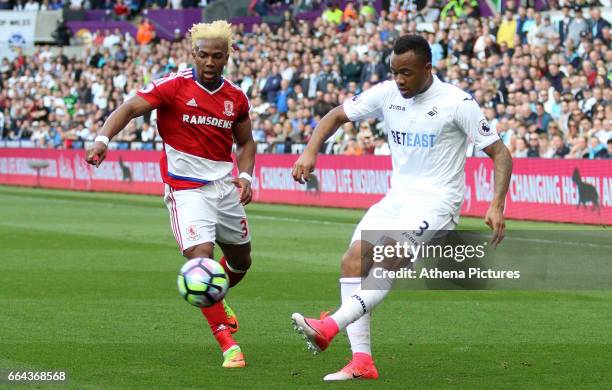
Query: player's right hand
[303, 167]
[96, 154]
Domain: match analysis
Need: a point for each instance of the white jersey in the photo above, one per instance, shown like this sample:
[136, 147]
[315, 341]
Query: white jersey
[428, 136]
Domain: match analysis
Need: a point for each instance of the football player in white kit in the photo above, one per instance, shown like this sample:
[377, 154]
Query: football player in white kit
[427, 123]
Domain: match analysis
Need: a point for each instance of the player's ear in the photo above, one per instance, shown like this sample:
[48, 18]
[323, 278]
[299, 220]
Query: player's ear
[428, 67]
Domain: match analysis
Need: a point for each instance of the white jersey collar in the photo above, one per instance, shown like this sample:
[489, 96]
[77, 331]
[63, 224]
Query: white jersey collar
[430, 91]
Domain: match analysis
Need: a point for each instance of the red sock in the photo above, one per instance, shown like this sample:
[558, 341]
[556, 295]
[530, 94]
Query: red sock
[362, 358]
[330, 328]
[217, 319]
[225, 339]
[235, 276]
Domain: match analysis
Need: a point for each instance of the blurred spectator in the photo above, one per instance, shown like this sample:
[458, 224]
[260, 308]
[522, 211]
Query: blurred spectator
[258, 7]
[456, 8]
[350, 13]
[520, 149]
[542, 118]
[55, 5]
[546, 150]
[367, 10]
[373, 70]
[147, 134]
[598, 24]
[352, 69]
[381, 147]
[576, 26]
[62, 33]
[353, 148]
[563, 23]
[272, 85]
[534, 146]
[608, 154]
[120, 9]
[31, 5]
[596, 148]
[332, 13]
[507, 30]
[145, 33]
[580, 148]
[76, 5]
[282, 96]
[542, 32]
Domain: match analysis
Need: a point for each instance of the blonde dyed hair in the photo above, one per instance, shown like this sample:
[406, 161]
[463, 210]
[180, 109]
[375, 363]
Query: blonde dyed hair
[219, 29]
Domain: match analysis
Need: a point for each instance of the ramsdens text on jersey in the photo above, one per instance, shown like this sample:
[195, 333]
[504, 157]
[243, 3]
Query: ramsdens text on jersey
[413, 139]
[207, 120]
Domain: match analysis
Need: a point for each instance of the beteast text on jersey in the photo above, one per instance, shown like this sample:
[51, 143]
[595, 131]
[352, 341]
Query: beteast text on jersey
[413, 139]
[207, 120]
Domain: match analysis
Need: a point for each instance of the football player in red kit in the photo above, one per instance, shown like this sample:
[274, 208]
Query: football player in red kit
[199, 116]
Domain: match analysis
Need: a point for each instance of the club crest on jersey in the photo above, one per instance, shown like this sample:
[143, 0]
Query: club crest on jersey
[431, 114]
[192, 233]
[229, 108]
[484, 128]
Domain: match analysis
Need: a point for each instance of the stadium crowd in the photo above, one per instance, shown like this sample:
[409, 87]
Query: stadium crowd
[120, 8]
[543, 86]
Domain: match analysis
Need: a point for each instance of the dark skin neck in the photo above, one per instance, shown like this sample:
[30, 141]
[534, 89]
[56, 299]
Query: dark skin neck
[210, 85]
[427, 84]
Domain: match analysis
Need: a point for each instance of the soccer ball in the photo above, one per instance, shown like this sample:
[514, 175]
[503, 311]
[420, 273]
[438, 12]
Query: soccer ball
[202, 282]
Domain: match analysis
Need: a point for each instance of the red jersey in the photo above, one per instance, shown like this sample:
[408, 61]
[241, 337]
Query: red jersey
[196, 127]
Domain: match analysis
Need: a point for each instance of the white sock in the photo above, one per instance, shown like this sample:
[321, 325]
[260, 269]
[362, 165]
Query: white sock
[359, 331]
[361, 302]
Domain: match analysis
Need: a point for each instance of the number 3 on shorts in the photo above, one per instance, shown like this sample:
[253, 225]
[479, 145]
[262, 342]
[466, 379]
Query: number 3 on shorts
[245, 228]
[422, 229]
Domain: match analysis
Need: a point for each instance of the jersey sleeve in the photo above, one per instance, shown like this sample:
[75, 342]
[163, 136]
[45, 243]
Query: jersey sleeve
[160, 91]
[245, 108]
[471, 120]
[367, 104]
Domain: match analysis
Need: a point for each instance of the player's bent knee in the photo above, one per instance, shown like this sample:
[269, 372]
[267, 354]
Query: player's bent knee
[238, 256]
[351, 264]
[242, 263]
[201, 250]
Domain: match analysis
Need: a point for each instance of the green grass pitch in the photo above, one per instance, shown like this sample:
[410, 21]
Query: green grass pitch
[88, 284]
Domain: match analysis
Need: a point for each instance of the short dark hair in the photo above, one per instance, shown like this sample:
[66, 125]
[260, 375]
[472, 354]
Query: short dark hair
[415, 43]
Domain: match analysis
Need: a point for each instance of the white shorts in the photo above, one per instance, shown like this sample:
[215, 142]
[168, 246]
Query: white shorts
[207, 214]
[396, 213]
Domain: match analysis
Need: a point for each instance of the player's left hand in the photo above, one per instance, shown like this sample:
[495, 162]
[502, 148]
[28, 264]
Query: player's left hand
[244, 186]
[495, 220]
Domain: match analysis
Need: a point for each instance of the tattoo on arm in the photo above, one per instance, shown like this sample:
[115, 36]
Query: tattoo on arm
[503, 169]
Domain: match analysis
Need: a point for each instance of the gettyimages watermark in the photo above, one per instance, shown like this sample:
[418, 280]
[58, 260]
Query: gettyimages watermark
[525, 260]
[404, 252]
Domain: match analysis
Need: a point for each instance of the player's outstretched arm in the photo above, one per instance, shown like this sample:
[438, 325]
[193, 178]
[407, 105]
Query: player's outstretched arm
[245, 157]
[116, 121]
[325, 128]
[503, 171]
